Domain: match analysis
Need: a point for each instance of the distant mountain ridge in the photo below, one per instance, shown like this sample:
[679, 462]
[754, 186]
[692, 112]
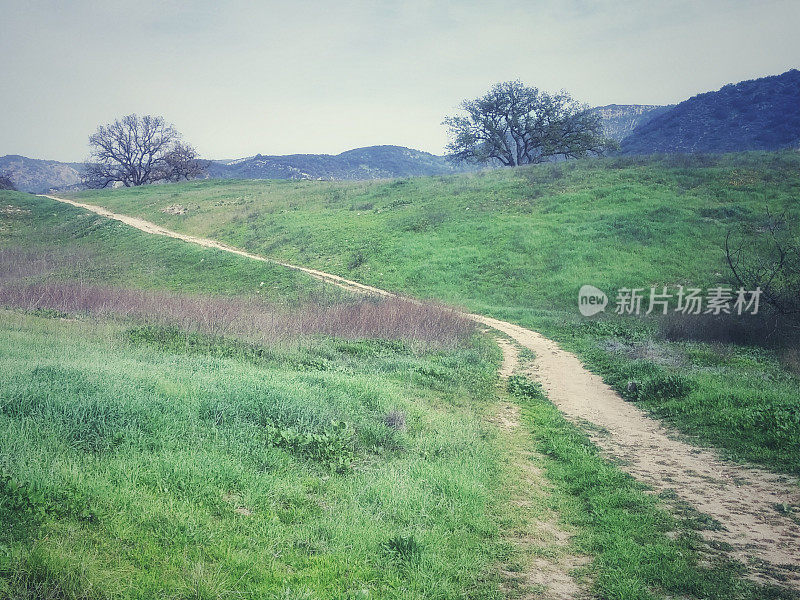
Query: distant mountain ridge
[36, 175]
[372, 162]
[758, 114]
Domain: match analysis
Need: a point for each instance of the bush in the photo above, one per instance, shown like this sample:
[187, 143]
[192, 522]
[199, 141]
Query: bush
[525, 388]
[665, 387]
[6, 183]
[763, 330]
[333, 446]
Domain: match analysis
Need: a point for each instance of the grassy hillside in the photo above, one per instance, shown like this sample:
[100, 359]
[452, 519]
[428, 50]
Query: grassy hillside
[186, 474]
[147, 459]
[143, 456]
[518, 244]
[503, 241]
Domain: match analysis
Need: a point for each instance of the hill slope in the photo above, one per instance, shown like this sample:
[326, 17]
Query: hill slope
[517, 244]
[760, 114]
[373, 162]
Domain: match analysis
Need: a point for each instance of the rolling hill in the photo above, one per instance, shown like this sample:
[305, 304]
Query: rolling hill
[759, 114]
[368, 455]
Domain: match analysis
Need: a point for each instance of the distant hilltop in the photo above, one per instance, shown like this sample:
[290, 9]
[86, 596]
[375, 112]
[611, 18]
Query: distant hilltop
[759, 114]
[35, 175]
[372, 162]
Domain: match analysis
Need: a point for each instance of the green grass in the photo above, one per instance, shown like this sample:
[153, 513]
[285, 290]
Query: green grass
[100, 251]
[515, 239]
[518, 243]
[141, 461]
[149, 471]
[741, 399]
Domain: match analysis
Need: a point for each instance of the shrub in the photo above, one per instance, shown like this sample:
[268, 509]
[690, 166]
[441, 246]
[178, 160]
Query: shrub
[18, 500]
[763, 330]
[6, 183]
[333, 446]
[357, 260]
[250, 318]
[524, 387]
[665, 387]
[396, 420]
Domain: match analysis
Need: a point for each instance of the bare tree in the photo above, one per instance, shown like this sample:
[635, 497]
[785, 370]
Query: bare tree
[138, 150]
[182, 163]
[514, 124]
[768, 257]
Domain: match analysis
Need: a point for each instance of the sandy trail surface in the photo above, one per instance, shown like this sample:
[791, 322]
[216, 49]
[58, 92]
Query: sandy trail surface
[757, 510]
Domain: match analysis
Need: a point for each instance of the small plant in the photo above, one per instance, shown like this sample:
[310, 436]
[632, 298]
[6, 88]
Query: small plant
[356, 261]
[402, 547]
[48, 313]
[665, 387]
[333, 446]
[18, 499]
[399, 202]
[524, 387]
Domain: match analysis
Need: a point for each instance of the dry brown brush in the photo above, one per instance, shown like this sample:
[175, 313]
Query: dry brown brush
[26, 282]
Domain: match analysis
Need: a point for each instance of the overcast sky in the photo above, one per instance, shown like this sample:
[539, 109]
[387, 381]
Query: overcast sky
[240, 78]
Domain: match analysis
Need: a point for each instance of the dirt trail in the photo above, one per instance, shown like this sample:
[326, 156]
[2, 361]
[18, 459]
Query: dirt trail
[750, 503]
[539, 538]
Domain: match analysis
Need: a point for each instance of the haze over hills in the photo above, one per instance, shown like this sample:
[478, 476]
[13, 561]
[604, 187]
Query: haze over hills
[373, 162]
[759, 114]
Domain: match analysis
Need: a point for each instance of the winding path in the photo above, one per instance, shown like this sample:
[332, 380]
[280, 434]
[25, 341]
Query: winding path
[757, 509]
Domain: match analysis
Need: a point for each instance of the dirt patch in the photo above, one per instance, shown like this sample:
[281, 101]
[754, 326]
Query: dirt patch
[175, 209]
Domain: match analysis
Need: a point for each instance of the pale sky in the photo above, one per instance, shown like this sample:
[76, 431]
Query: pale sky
[241, 78]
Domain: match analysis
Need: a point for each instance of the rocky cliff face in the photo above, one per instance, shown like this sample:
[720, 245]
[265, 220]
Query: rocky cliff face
[619, 120]
[759, 114]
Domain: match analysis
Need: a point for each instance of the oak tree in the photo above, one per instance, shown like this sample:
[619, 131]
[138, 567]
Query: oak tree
[514, 124]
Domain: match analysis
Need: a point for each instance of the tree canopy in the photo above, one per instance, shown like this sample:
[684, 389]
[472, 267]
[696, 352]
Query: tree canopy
[514, 124]
[138, 150]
